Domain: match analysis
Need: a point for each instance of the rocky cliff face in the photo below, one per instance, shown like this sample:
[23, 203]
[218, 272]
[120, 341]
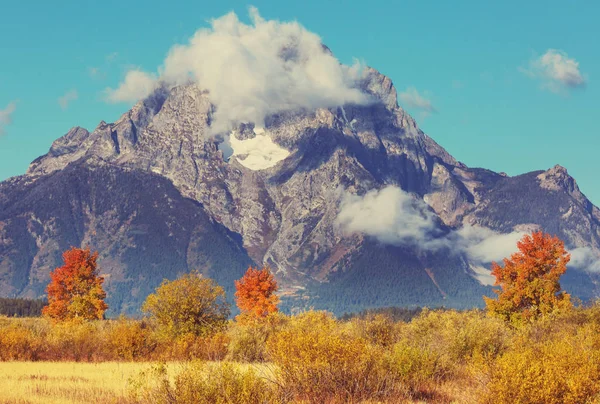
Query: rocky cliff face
[274, 190]
[143, 228]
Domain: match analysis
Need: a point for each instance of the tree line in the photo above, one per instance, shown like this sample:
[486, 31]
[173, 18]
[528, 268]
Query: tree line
[528, 281]
[20, 307]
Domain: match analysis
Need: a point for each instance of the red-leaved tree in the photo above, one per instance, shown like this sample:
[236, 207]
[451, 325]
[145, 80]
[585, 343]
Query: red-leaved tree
[75, 290]
[255, 293]
[529, 280]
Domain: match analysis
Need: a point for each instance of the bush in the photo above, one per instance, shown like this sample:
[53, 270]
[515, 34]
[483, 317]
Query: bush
[455, 338]
[378, 329]
[190, 346]
[416, 368]
[319, 362]
[563, 370]
[204, 383]
[248, 339]
[74, 341]
[129, 340]
[19, 343]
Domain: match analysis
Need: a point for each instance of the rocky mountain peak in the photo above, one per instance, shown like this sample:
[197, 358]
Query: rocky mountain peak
[557, 178]
[69, 142]
[381, 87]
[277, 192]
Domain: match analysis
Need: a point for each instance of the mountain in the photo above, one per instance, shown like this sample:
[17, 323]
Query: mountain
[143, 236]
[157, 194]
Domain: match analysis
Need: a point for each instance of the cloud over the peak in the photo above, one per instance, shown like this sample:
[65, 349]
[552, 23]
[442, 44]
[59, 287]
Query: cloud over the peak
[66, 99]
[557, 71]
[136, 85]
[412, 98]
[252, 70]
[6, 115]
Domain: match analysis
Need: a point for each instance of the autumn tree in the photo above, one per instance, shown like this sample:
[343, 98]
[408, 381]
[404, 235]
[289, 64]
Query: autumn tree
[529, 280]
[255, 293]
[75, 290]
[191, 304]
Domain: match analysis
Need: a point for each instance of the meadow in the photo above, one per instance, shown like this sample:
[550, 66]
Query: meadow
[78, 382]
[440, 356]
[530, 346]
[66, 382]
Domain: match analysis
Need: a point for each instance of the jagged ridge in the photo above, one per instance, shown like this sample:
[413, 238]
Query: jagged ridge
[285, 214]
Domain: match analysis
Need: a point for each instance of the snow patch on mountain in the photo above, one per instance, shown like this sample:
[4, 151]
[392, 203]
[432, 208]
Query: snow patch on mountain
[258, 153]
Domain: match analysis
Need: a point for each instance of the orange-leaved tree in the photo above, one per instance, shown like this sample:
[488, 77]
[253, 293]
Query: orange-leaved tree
[75, 290]
[529, 280]
[255, 293]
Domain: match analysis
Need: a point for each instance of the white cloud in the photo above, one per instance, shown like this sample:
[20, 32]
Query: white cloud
[6, 115]
[252, 71]
[257, 153]
[69, 96]
[137, 85]
[412, 98]
[483, 245]
[395, 217]
[557, 71]
[390, 215]
[585, 258]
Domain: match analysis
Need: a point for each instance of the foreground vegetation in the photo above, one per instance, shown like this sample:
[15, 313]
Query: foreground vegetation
[439, 356]
[530, 346]
[66, 382]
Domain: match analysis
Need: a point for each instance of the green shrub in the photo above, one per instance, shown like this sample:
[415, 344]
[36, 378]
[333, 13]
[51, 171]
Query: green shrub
[191, 304]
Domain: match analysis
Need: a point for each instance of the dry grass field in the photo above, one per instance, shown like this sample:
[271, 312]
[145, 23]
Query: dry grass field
[107, 382]
[440, 356]
[66, 382]
[80, 382]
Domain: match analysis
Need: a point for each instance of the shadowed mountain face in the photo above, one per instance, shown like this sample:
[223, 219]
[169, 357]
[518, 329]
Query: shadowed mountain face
[157, 196]
[143, 228]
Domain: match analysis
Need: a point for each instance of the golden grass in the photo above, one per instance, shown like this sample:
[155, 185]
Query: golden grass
[77, 382]
[65, 382]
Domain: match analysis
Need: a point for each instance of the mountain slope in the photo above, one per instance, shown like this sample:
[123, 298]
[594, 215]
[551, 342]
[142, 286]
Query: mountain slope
[143, 228]
[277, 190]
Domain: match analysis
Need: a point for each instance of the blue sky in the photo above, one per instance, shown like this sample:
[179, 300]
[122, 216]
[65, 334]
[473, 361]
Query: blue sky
[472, 72]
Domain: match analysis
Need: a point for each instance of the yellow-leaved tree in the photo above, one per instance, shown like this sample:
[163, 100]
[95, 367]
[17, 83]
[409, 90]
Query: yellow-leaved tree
[191, 304]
